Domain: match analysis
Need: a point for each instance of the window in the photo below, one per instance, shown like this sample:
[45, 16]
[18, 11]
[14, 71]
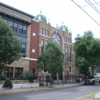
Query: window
[69, 40]
[42, 31]
[23, 48]
[24, 39]
[56, 38]
[24, 30]
[66, 39]
[47, 33]
[9, 72]
[11, 24]
[69, 54]
[42, 45]
[70, 69]
[18, 71]
[67, 49]
[20, 29]
[15, 27]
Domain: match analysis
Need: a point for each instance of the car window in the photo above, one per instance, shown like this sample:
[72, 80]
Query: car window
[90, 77]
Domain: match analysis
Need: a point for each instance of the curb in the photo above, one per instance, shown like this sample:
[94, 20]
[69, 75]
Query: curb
[39, 89]
[14, 92]
[61, 87]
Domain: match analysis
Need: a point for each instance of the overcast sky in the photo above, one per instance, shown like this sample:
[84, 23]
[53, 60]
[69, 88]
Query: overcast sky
[61, 10]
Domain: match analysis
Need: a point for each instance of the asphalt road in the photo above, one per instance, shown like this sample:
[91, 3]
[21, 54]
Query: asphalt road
[75, 93]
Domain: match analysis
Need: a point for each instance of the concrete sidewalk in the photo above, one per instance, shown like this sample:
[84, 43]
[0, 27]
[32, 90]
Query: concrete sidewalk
[22, 90]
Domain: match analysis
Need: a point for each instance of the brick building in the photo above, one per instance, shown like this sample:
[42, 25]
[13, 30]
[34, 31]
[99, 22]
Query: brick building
[42, 32]
[34, 33]
[21, 25]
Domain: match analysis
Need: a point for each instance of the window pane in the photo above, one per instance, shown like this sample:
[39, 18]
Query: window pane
[16, 70]
[20, 29]
[15, 27]
[42, 31]
[20, 26]
[56, 38]
[10, 23]
[69, 68]
[24, 30]
[42, 45]
[47, 33]
[23, 45]
[24, 27]
[23, 48]
[15, 24]
[20, 70]
[24, 39]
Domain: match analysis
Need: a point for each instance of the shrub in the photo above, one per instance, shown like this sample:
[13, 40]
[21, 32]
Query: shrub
[8, 84]
[27, 76]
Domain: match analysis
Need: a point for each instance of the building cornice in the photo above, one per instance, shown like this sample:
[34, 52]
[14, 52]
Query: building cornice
[12, 8]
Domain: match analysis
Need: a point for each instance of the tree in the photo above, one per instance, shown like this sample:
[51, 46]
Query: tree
[87, 50]
[9, 46]
[51, 59]
[82, 66]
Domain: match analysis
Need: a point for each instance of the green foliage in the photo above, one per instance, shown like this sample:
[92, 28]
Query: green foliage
[3, 77]
[87, 50]
[9, 46]
[8, 84]
[27, 76]
[51, 59]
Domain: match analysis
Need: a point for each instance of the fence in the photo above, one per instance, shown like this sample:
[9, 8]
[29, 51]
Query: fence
[46, 80]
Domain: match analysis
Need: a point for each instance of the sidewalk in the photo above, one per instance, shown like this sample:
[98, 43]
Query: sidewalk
[21, 90]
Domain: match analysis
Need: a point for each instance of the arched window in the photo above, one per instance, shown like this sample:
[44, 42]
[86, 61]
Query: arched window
[56, 38]
[42, 45]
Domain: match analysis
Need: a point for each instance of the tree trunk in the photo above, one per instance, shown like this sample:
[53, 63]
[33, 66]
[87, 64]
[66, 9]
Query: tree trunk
[92, 71]
[51, 82]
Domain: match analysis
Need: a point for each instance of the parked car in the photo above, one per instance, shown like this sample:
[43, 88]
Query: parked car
[92, 80]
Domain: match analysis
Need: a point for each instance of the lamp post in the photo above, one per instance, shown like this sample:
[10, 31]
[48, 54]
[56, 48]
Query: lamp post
[67, 73]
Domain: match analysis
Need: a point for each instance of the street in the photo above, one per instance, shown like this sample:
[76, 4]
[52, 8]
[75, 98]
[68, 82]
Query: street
[74, 93]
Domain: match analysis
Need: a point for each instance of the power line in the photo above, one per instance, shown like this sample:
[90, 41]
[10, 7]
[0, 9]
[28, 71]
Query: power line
[85, 12]
[96, 3]
[93, 6]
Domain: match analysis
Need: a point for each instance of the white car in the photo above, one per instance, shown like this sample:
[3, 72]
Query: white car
[92, 80]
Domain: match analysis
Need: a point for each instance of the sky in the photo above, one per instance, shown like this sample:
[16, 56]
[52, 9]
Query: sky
[59, 11]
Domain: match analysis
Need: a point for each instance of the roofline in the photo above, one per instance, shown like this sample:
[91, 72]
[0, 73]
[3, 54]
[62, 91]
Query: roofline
[15, 17]
[12, 8]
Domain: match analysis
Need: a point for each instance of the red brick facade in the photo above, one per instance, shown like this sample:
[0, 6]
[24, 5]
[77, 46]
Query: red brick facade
[34, 45]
